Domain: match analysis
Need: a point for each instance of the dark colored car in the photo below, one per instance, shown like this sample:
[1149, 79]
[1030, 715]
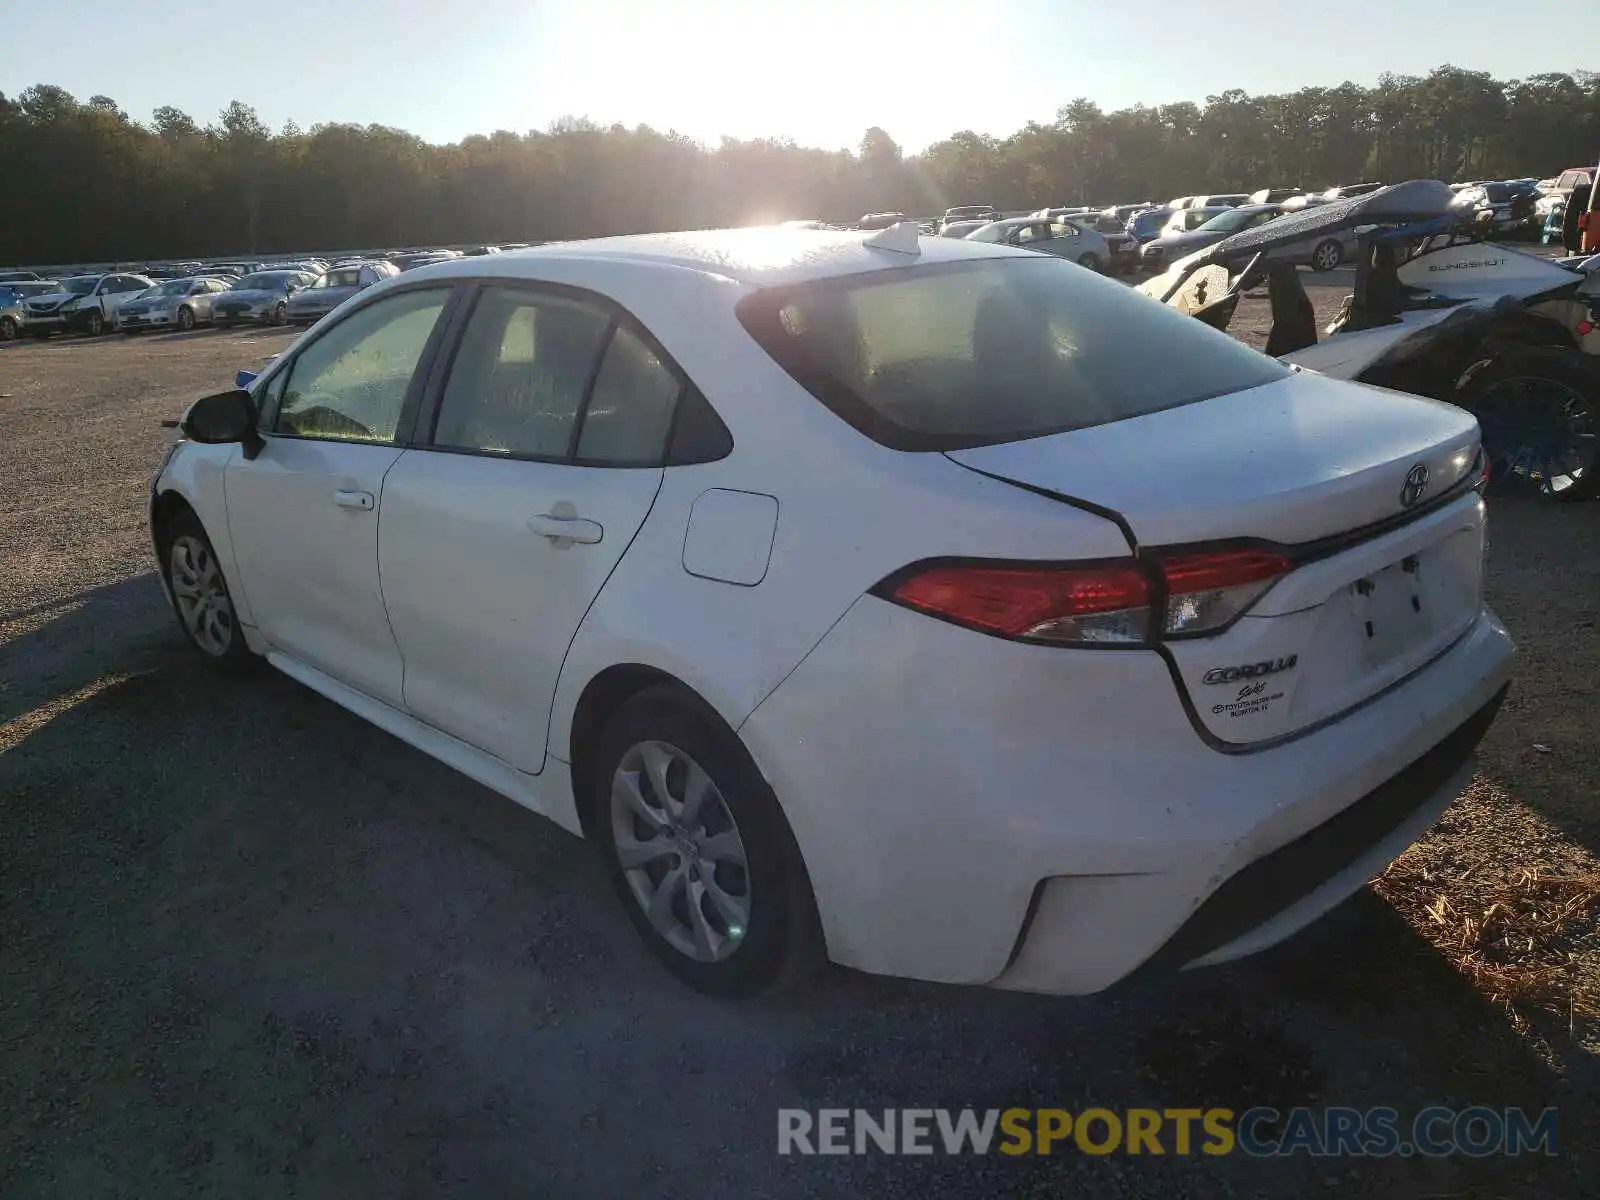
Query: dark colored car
[18, 276]
[1146, 226]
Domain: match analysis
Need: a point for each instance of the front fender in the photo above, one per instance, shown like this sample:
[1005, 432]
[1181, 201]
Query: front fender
[197, 475]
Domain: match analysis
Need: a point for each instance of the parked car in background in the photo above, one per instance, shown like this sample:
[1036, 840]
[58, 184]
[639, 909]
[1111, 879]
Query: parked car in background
[261, 298]
[13, 311]
[960, 229]
[18, 276]
[1275, 195]
[1060, 237]
[85, 303]
[174, 304]
[1320, 253]
[1153, 251]
[971, 212]
[1147, 225]
[1498, 207]
[1122, 245]
[881, 220]
[1571, 178]
[1221, 200]
[480, 251]
[1180, 202]
[1123, 212]
[311, 303]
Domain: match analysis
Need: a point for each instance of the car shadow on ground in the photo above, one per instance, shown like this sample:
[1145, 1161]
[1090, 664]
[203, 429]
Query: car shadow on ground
[251, 938]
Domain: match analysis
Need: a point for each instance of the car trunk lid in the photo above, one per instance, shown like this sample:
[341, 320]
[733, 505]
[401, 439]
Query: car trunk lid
[1345, 480]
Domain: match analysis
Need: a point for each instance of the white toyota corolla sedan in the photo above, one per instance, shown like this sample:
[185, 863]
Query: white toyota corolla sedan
[926, 605]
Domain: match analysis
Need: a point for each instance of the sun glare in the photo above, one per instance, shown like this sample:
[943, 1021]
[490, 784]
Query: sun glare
[819, 73]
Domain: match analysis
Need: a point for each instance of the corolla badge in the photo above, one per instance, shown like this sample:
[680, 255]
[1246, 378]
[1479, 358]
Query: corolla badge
[1416, 486]
[1254, 670]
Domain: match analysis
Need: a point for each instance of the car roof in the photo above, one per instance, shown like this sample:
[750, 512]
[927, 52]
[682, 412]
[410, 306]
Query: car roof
[759, 257]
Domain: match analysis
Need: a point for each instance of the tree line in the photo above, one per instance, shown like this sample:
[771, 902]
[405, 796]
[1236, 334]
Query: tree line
[88, 183]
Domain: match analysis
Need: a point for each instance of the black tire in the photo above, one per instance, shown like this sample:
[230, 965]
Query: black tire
[95, 325]
[41, 335]
[1090, 261]
[1575, 377]
[280, 315]
[224, 324]
[236, 657]
[782, 940]
[1326, 255]
[8, 328]
[185, 319]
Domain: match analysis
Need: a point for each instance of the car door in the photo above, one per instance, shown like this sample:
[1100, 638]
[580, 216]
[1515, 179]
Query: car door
[500, 528]
[1062, 239]
[304, 512]
[200, 299]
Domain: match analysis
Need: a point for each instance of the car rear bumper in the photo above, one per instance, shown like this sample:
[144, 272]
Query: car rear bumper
[979, 811]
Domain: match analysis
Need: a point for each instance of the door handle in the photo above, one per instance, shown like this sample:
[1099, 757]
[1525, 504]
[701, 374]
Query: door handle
[364, 501]
[568, 529]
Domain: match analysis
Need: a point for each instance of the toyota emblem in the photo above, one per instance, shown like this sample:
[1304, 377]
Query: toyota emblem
[1416, 486]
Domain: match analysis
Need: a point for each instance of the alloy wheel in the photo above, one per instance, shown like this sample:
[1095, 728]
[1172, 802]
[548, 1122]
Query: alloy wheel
[680, 851]
[97, 324]
[1538, 431]
[201, 594]
[1326, 256]
[8, 328]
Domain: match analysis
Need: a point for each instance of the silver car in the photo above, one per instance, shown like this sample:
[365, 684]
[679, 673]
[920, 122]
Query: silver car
[262, 298]
[176, 304]
[13, 310]
[1058, 236]
[334, 288]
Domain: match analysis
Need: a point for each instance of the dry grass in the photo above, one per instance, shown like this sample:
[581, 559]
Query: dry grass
[1510, 902]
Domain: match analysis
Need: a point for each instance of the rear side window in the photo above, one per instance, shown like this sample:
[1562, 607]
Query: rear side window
[992, 350]
[519, 376]
[630, 409]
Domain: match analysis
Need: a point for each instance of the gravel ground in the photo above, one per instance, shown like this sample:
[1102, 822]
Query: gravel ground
[251, 946]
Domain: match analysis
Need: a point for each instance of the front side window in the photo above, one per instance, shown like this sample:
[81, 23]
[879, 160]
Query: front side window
[346, 277]
[992, 350]
[350, 384]
[520, 373]
[630, 409]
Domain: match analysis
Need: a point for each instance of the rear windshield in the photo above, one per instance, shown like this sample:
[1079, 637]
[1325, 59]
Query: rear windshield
[992, 350]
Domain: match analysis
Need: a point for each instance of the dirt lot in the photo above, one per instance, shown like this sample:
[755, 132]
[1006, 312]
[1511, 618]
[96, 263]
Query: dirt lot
[251, 946]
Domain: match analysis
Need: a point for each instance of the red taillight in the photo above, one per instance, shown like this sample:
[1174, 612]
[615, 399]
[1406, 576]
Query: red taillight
[1105, 602]
[1094, 604]
[1208, 590]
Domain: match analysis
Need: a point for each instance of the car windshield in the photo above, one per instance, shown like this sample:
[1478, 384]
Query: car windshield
[1498, 193]
[347, 277]
[1108, 225]
[992, 350]
[80, 285]
[178, 287]
[1230, 222]
[267, 281]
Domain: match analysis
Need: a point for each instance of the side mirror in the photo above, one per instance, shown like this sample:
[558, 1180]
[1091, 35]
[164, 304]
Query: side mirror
[222, 418]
